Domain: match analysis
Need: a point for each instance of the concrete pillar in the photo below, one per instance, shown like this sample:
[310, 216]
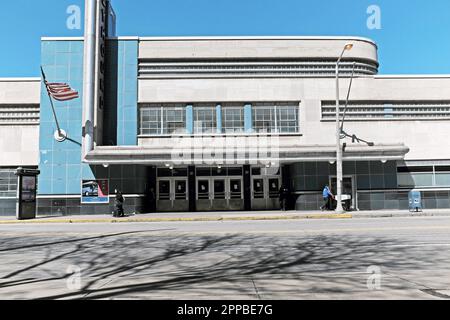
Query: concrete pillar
[89, 77]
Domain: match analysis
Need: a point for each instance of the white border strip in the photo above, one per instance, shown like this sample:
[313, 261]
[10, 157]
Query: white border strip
[404, 190]
[82, 38]
[412, 76]
[71, 196]
[206, 38]
[30, 79]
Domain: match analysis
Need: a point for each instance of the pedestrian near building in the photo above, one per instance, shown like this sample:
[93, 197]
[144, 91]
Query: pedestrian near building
[119, 204]
[152, 199]
[327, 198]
[284, 195]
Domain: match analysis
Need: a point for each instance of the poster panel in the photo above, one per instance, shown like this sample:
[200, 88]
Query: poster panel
[95, 191]
[28, 188]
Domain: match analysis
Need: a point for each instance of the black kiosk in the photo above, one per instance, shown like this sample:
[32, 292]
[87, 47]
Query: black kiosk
[26, 193]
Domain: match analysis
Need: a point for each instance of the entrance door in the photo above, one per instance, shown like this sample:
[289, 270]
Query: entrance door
[235, 189]
[219, 189]
[265, 193]
[348, 189]
[235, 195]
[203, 189]
[180, 191]
[219, 198]
[172, 194]
[164, 190]
[219, 194]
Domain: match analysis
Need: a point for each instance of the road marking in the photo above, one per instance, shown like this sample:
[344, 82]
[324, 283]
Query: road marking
[320, 231]
[195, 219]
[179, 230]
[186, 233]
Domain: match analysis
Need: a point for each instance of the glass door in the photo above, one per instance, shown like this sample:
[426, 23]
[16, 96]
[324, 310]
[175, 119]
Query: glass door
[265, 192]
[274, 188]
[219, 189]
[235, 191]
[203, 190]
[258, 188]
[180, 189]
[164, 190]
[220, 192]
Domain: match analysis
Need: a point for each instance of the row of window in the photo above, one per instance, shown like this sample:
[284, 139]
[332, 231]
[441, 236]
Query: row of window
[19, 114]
[423, 176]
[261, 118]
[8, 183]
[150, 68]
[385, 111]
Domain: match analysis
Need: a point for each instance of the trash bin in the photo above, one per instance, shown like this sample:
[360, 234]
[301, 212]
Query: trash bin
[346, 202]
[415, 201]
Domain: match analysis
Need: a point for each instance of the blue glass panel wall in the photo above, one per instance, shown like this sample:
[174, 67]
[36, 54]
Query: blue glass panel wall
[127, 97]
[219, 118]
[60, 162]
[248, 120]
[189, 119]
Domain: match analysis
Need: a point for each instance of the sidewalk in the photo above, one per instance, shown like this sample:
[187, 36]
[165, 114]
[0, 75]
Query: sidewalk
[226, 216]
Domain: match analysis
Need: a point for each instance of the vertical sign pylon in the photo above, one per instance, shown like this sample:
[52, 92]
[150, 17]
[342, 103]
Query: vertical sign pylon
[98, 13]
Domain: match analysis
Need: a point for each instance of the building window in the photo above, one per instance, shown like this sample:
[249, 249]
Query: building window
[423, 176]
[232, 119]
[442, 176]
[159, 120]
[151, 121]
[8, 183]
[264, 119]
[174, 120]
[205, 120]
[275, 118]
[387, 111]
[19, 114]
[287, 116]
[149, 68]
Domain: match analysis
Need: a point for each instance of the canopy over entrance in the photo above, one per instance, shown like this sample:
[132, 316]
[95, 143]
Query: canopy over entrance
[215, 155]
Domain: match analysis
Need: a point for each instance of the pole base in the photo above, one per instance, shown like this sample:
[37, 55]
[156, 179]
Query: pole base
[60, 136]
[339, 211]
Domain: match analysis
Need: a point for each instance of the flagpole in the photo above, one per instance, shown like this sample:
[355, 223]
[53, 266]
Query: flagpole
[60, 134]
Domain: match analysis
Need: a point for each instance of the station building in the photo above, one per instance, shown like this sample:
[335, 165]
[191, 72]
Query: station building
[220, 123]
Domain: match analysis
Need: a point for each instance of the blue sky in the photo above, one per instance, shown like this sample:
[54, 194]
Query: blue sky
[414, 36]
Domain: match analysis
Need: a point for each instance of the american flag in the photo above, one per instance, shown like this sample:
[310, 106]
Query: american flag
[61, 91]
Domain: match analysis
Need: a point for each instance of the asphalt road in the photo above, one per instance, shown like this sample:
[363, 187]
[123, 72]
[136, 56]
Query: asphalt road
[387, 258]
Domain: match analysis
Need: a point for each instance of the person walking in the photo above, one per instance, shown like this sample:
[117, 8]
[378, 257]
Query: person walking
[152, 200]
[119, 204]
[327, 197]
[283, 195]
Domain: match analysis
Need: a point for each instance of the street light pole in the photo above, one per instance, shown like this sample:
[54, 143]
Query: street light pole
[339, 176]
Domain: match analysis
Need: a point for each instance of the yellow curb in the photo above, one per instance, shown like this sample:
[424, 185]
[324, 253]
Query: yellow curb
[199, 219]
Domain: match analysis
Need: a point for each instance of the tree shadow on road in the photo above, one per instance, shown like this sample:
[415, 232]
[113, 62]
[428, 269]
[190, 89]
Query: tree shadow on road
[133, 264]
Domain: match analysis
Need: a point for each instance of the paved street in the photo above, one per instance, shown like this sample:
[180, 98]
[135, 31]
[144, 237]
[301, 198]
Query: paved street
[286, 259]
